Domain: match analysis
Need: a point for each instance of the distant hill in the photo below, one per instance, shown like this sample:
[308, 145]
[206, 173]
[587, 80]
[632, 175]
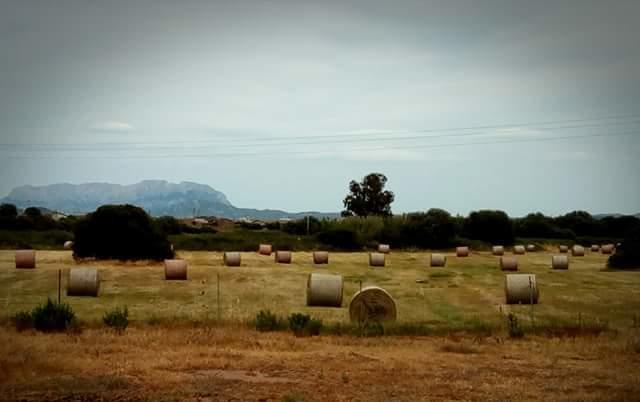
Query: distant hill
[158, 197]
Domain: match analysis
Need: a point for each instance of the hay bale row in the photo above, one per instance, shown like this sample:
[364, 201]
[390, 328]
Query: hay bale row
[320, 257]
[25, 259]
[521, 289]
[595, 248]
[68, 245]
[508, 264]
[175, 270]
[519, 249]
[531, 247]
[265, 249]
[462, 251]
[497, 250]
[438, 260]
[83, 282]
[283, 257]
[577, 251]
[376, 259]
[384, 248]
[232, 259]
[563, 249]
[324, 290]
[372, 304]
[560, 262]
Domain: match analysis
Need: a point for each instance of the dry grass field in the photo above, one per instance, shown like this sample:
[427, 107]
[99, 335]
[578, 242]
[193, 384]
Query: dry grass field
[175, 349]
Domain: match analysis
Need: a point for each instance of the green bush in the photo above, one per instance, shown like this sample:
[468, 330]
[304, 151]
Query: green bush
[303, 325]
[118, 319]
[267, 321]
[627, 254]
[494, 227]
[341, 239]
[22, 320]
[513, 326]
[53, 316]
[123, 232]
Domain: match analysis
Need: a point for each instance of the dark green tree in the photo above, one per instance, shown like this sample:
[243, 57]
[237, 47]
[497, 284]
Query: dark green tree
[123, 232]
[494, 227]
[368, 198]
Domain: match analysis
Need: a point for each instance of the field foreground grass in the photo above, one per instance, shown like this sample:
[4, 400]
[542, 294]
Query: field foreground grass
[237, 364]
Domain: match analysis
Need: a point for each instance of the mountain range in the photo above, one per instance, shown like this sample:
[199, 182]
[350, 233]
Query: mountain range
[157, 197]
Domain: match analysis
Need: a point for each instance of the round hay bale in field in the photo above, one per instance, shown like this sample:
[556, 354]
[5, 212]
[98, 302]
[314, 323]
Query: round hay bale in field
[595, 248]
[68, 245]
[283, 257]
[519, 249]
[438, 260]
[462, 251]
[521, 289]
[497, 250]
[25, 259]
[563, 248]
[607, 249]
[175, 270]
[372, 303]
[384, 248]
[531, 247]
[577, 251]
[376, 259]
[560, 262]
[265, 249]
[320, 257]
[232, 258]
[83, 282]
[324, 290]
[508, 263]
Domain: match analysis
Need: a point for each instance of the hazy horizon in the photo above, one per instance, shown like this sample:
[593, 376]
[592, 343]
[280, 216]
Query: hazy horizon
[511, 105]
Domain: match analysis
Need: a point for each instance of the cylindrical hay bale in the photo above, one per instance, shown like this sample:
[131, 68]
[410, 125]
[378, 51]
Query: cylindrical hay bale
[372, 303]
[83, 282]
[68, 245]
[25, 259]
[497, 250]
[508, 264]
[232, 259]
[264, 249]
[438, 260]
[531, 247]
[175, 270]
[521, 289]
[595, 248]
[324, 290]
[283, 257]
[560, 262]
[607, 248]
[577, 251]
[320, 257]
[462, 251]
[376, 259]
[519, 249]
[563, 248]
[384, 248]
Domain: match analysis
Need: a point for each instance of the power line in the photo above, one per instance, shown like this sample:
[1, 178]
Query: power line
[512, 126]
[315, 152]
[337, 141]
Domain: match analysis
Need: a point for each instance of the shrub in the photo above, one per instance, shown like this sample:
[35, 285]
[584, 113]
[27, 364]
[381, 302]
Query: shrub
[122, 232]
[343, 239]
[267, 321]
[627, 255]
[118, 319]
[491, 226]
[513, 326]
[52, 316]
[22, 320]
[303, 325]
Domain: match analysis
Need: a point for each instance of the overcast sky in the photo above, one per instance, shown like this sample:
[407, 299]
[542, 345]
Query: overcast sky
[279, 104]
